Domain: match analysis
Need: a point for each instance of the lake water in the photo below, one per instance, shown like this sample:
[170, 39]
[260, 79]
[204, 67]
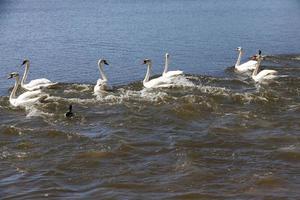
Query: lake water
[217, 136]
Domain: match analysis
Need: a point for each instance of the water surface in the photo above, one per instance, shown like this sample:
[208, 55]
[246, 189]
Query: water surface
[216, 135]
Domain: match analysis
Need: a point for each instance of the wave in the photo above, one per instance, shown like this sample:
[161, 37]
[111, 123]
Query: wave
[206, 92]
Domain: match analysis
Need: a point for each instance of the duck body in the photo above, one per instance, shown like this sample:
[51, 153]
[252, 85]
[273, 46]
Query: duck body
[69, 114]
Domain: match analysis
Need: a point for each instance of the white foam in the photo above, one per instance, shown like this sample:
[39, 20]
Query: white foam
[182, 81]
[297, 58]
[71, 100]
[153, 95]
[35, 112]
[213, 90]
[70, 91]
[291, 148]
[82, 87]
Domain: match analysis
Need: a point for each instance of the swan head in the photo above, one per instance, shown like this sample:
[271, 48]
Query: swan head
[239, 49]
[25, 62]
[259, 52]
[167, 55]
[146, 61]
[257, 56]
[102, 61]
[13, 75]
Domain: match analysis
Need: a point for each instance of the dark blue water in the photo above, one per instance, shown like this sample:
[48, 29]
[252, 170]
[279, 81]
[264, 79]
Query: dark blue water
[64, 39]
[218, 136]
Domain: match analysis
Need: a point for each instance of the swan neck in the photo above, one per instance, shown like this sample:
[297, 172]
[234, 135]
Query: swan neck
[166, 65]
[146, 79]
[256, 70]
[13, 92]
[24, 78]
[238, 62]
[102, 72]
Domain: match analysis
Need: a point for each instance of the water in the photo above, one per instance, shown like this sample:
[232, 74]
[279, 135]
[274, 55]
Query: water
[216, 135]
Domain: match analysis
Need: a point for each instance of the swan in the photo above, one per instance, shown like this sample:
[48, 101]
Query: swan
[247, 66]
[265, 74]
[27, 98]
[34, 84]
[167, 73]
[156, 82]
[102, 84]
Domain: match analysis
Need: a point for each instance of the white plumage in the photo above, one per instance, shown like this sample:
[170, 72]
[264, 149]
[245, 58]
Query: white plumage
[34, 84]
[267, 74]
[102, 83]
[156, 82]
[27, 98]
[245, 67]
[169, 74]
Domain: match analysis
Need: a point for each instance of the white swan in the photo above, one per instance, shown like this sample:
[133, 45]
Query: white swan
[27, 98]
[245, 67]
[102, 83]
[167, 73]
[156, 82]
[34, 84]
[265, 74]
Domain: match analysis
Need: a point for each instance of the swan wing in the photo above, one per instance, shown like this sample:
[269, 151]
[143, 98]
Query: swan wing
[31, 101]
[37, 84]
[247, 66]
[26, 101]
[265, 74]
[270, 76]
[158, 82]
[164, 85]
[250, 63]
[29, 94]
[101, 82]
[13, 102]
[36, 87]
[172, 73]
[102, 85]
